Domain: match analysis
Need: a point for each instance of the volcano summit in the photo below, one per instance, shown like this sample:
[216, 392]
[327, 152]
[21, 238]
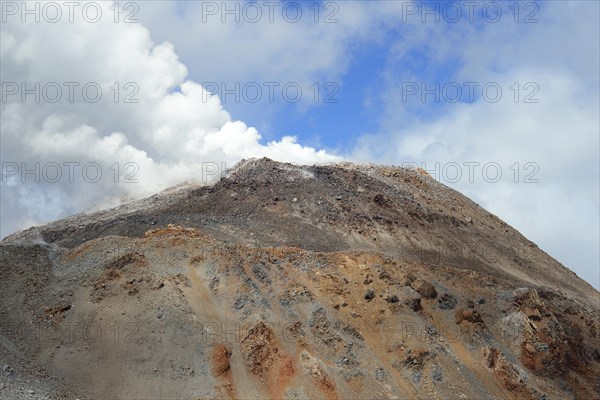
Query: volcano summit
[280, 281]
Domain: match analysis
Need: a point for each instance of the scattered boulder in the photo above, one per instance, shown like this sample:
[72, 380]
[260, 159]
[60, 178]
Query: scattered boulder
[467, 315]
[379, 199]
[220, 359]
[392, 298]
[410, 298]
[369, 294]
[447, 302]
[424, 288]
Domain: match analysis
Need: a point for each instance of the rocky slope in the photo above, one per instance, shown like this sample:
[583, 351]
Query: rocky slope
[286, 282]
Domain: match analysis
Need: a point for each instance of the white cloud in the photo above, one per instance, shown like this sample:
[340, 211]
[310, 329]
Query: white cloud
[318, 45]
[161, 140]
[280, 52]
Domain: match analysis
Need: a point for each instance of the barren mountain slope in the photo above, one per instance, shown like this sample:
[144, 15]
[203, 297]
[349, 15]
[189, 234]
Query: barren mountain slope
[279, 281]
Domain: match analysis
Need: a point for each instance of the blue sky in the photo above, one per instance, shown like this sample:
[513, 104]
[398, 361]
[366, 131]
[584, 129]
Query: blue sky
[337, 121]
[357, 104]
[546, 149]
